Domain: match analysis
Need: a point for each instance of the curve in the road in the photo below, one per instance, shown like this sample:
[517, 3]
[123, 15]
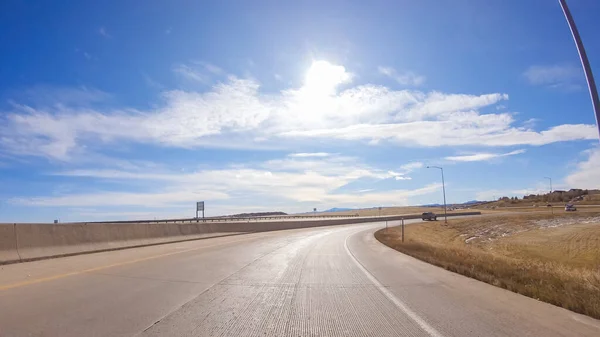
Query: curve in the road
[330, 281]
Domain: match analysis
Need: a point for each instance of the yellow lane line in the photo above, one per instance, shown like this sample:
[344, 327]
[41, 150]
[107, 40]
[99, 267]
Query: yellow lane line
[59, 276]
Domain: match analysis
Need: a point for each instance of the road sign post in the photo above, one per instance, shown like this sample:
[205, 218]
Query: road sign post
[402, 229]
[199, 207]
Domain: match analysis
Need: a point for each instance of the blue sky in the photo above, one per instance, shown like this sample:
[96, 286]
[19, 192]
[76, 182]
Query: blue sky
[114, 110]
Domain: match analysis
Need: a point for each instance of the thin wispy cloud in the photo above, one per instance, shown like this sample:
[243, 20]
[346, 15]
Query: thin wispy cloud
[407, 78]
[412, 166]
[309, 154]
[212, 68]
[483, 156]
[565, 77]
[103, 32]
[307, 181]
[150, 82]
[191, 73]
[406, 169]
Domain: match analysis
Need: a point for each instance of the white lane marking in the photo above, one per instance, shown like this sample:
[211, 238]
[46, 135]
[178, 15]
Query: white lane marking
[401, 305]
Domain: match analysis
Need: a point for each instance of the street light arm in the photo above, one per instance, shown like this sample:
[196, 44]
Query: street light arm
[587, 69]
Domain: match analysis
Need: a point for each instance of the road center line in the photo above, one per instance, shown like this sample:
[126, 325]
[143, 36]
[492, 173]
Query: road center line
[401, 305]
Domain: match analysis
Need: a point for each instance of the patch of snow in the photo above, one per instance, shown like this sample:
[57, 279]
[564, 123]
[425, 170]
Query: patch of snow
[470, 239]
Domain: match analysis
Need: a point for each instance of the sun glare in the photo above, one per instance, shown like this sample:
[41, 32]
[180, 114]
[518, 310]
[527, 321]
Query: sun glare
[322, 77]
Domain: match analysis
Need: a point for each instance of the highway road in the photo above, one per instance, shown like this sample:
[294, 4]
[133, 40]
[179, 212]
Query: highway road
[328, 281]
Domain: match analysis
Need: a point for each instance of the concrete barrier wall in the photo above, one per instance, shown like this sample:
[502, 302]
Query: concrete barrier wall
[8, 244]
[36, 241]
[26, 242]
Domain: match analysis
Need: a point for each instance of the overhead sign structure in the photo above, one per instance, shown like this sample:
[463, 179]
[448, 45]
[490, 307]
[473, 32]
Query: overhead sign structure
[199, 207]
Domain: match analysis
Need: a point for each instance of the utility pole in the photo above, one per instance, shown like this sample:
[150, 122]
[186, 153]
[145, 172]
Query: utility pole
[443, 190]
[584, 62]
[550, 195]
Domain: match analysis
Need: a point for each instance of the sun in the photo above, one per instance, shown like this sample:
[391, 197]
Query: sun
[322, 77]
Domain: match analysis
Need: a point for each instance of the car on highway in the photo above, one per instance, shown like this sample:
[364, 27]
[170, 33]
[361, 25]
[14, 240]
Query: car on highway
[570, 208]
[429, 216]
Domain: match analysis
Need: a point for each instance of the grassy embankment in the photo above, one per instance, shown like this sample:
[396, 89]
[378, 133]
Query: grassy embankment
[553, 259]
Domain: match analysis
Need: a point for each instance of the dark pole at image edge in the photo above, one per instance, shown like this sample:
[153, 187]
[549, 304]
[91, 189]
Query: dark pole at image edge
[584, 62]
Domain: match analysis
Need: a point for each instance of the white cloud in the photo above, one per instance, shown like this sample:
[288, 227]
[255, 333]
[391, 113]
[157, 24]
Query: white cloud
[150, 199]
[302, 180]
[309, 154]
[404, 78]
[236, 114]
[102, 31]
[483, 130]
[587, 173]
[483, 156]
[555, 76]
[191, 74]
[212, 68]
[412, 166]
[44, 96]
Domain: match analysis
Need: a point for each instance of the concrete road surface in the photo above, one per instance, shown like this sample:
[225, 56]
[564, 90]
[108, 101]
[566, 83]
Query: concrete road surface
[331, 281]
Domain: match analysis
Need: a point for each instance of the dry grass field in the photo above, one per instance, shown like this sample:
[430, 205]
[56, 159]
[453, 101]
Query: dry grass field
[557, 208]
[555, 259]
[588, 200]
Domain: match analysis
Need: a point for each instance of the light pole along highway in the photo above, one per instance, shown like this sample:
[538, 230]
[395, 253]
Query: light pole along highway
[550, 196]
[584, 62]
[550, 183]
[443, 190]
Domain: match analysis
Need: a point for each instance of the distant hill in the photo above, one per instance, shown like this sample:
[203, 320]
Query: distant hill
[247, 215]
[574, 196]
[338, 209]
[471, 202]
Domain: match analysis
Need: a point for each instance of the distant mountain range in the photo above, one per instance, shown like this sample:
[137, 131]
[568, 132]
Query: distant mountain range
[342, 209]
[337, 209]
[471, 202]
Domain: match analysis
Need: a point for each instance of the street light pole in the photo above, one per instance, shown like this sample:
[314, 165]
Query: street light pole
[584, 61]
[443, 190]
[549, 196]
[550, 183]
